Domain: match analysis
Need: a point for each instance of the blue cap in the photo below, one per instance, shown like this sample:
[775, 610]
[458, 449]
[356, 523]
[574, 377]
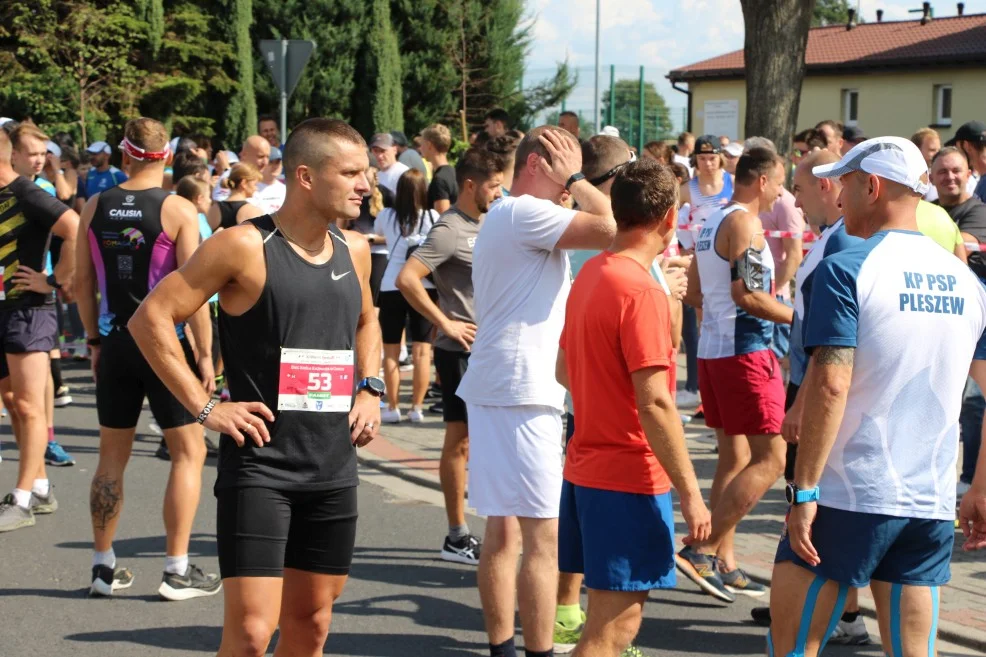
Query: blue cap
[275, 154]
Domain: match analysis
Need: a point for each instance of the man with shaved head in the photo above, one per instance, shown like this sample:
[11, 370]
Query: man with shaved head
[301, 343]
[255, 151]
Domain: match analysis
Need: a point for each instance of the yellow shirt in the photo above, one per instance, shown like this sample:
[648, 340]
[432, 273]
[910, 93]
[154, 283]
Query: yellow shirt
[936, 223]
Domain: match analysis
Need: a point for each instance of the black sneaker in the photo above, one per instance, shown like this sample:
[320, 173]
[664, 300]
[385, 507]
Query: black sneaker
[162, 451]
[761, 616]
[437, 408]
[701, 569]
[434, 393]
[106, 580]
[465, 550]
[193, 584]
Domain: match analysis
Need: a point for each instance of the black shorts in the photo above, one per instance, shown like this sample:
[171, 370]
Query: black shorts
[261, 531]
[451, 367]
[25, 330]
[394, 314]
[378, 265]
[792, 448]
[124, 378]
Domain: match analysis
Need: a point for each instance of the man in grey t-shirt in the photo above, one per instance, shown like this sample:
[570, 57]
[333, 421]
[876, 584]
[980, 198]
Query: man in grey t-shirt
[446, 255]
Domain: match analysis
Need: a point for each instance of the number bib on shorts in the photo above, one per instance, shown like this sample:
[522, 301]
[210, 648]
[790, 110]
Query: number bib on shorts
[315, 380]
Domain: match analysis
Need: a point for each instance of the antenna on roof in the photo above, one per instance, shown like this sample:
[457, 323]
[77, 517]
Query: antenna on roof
[851, 23]
[961, 8]
[879, 15]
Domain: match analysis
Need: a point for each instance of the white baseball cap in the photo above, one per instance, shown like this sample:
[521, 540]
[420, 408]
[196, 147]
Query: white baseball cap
[610, 131]
[54, 149]
[893, 158]
[232, 157]
[734, 149]
[99, 147]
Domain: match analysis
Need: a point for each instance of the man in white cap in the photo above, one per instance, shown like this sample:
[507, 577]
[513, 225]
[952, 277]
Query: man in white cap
[873, 497]
[384, 149]
[102, 175]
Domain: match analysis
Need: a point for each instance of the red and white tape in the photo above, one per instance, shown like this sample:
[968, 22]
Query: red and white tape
[804, 237]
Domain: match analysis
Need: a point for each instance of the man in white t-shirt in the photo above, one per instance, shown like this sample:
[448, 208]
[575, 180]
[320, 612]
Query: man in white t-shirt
[269, 196]
[686, 145]
[384, 149]
[521, 283]
[255, 151]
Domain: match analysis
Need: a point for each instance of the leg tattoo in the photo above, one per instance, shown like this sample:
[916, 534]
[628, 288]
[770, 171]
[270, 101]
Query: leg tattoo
[105, 496]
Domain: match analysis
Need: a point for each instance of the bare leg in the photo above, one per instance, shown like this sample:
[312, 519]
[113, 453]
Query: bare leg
[181, 497]
[106, 490]
[912, 624]
[29, 374]
[452, 471]
[613, 621]
[421, 355]
[537, 584]
[306, 612]
[252, 606]
[569, 589]
[497, 576]
[392, 373]
[734, 456]
[788, 592]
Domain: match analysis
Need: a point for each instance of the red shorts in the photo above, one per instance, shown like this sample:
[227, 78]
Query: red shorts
[742, 395]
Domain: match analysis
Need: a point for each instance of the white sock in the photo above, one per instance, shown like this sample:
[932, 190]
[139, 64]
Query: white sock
[107, 558]
[22, 498]
[176, 565]
[41, 487]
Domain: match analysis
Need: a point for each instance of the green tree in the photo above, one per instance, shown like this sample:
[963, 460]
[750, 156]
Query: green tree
[377, 103]
[626, 116]
[831, 12]
[240, 119]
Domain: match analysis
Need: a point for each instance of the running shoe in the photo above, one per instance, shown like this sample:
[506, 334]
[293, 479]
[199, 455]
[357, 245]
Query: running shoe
[12, 516]
[62, 398]
[761, 616]
[434, 393]
[699, 413]
[737, 581]
[565, 637]
[81, 351]
[701, 569]
[193, 584]
[106, 580]
[632, 651]
[851, 634]
[466, 550]
[437, 408]
[162, 451]
[55, 454]
[390, 416]
[416, 415]
[155, 428]
[687, 398]
[44, 505]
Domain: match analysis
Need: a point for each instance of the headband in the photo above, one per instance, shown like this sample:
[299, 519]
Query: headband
[138, 153]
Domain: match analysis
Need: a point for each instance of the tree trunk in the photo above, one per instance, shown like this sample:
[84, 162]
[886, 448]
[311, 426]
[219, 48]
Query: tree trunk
[776, 38]
[82, 115]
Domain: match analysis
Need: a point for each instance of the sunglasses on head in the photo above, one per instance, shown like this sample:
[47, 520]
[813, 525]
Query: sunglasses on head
[599, 180]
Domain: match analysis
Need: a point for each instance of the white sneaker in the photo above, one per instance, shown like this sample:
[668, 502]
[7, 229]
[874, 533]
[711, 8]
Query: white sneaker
[850, 634]
[390, 416]
[416, 416]
[686, 398]
[961, 489]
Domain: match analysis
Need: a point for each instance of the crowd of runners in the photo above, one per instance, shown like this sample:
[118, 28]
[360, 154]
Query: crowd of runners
[275, 295]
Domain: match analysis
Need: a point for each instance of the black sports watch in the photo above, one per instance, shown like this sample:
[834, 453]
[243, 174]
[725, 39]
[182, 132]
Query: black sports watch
[577, 176]
[52, 282]
[373, 385]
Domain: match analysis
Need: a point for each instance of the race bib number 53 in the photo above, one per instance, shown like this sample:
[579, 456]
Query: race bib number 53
[315, 380]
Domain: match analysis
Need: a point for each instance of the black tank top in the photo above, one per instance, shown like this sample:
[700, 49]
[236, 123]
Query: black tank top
[130, 251]
[227, 212]
[302, 307]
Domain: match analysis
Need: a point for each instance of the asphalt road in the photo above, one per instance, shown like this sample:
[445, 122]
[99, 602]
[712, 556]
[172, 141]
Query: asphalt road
[400, 601]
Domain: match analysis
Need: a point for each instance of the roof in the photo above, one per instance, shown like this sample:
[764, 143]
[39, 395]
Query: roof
[831, 49]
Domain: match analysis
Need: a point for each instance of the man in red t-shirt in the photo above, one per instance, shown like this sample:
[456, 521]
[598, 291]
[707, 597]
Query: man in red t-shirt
[617, 523]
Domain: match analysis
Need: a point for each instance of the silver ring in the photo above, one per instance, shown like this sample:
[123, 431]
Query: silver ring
[369, 425]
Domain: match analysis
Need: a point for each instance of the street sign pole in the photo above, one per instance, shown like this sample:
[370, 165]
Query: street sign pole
[284, 91]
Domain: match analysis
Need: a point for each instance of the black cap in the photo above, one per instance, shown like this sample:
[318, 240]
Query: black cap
[707, 145]
[400, 138]
[853, 133]
[974, 131]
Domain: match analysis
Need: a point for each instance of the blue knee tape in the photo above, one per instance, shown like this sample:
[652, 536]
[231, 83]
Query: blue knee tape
[840, 606]
[896, 644]
[811, 599]
[934, 622]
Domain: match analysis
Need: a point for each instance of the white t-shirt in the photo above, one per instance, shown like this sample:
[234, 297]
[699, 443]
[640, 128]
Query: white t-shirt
[397, 245]
[390, 177]
[521, 283]
[685, 162]
[269, 198]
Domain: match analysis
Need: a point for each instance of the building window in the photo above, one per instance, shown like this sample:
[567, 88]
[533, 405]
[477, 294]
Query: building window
[850, 106]
[943, 104]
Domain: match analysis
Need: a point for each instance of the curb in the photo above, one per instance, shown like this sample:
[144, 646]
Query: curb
[946, 629]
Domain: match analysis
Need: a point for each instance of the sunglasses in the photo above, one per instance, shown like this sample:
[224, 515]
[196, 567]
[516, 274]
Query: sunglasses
[599, 180]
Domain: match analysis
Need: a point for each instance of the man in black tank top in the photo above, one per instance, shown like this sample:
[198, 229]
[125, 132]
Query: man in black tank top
[131, 237]
[301, 345]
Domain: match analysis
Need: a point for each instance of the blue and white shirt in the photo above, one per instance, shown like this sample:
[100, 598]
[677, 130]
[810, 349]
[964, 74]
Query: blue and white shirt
[833, 239]
[99, 181]
[727, 329]
[915, 315]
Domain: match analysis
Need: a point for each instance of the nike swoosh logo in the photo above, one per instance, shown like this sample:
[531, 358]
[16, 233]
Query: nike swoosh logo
[335, 278]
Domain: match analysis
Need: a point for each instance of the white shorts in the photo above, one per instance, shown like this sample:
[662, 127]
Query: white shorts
[515, 460]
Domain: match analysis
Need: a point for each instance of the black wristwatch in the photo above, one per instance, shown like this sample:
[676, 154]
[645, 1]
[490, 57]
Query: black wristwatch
[577, 176]
[52, 282]
[373, 385]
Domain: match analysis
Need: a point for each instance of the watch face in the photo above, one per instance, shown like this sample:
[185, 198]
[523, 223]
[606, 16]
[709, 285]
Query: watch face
[376, 385]
[789, 492]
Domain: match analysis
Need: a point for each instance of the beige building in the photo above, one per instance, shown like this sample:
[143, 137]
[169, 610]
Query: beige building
[889, 78]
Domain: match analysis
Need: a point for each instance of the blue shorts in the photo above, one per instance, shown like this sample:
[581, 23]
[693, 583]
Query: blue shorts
[620, 541]
[856, 547]
[780, 344]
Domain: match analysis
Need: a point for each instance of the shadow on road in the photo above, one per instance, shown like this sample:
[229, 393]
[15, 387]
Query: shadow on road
[144, 547]
[202, 638]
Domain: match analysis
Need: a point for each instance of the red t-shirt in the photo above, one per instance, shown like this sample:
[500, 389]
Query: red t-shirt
[617, 321]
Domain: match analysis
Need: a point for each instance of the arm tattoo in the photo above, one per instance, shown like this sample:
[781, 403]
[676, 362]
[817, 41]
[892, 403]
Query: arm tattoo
[835, 355]
[105, 498]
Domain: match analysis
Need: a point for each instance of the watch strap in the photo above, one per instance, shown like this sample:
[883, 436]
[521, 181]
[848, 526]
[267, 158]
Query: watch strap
[805, 496]
[577, 176]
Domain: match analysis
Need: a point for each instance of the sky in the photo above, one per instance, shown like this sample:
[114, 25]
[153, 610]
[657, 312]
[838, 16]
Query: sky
[658, 34]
